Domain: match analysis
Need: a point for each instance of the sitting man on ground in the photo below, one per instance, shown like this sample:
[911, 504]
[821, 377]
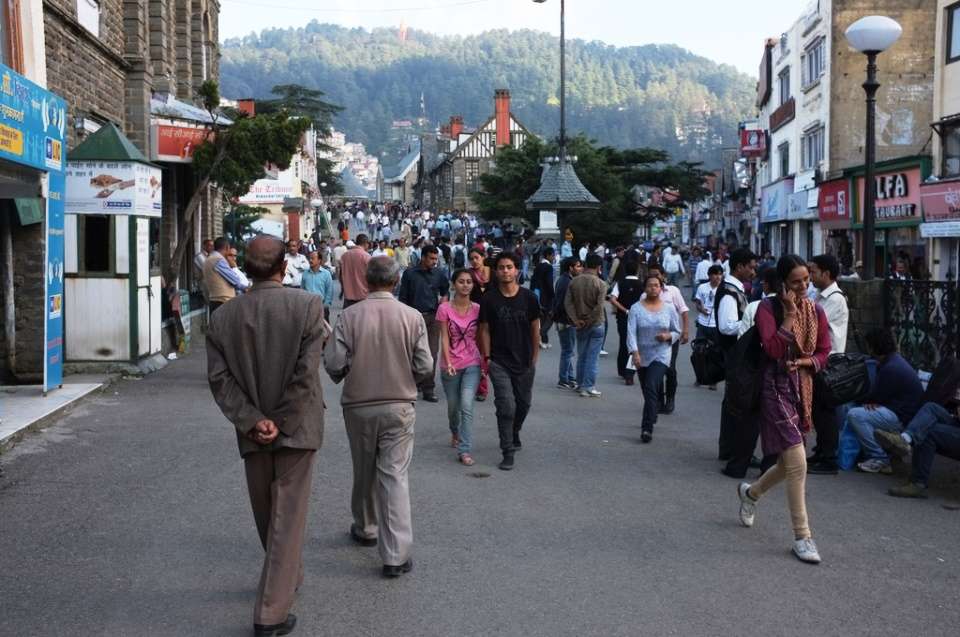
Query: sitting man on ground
[895, 400]
[933, 430]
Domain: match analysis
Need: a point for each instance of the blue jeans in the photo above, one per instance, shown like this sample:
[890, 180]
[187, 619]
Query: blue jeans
[589, 344]
[942, 438]
[651, 379]
[929, 415]
[568, 347]
[461, 390]
[865, 421]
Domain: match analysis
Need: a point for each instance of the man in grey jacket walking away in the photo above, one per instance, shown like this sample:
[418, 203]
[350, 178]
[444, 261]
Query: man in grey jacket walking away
[381, 351]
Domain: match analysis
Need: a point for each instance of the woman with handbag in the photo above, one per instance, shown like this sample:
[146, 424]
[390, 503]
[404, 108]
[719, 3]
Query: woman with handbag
[795, 336]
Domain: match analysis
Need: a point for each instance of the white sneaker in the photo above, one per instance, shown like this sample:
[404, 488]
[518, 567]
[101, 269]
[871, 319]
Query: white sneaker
[806, 551]
[748, 506]
[544, 346]
[590, 393]
[604, 352]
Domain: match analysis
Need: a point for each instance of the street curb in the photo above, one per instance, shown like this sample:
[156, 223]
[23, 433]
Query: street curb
[49, 419]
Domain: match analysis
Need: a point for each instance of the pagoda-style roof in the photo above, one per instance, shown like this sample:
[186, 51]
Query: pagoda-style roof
[107, 144]
[561, 189]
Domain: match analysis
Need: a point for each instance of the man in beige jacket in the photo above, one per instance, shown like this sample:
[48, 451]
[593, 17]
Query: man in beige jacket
[380, 350]
[264, 351]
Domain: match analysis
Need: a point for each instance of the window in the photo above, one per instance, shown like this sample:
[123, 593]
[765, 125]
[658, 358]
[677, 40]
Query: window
[951, 151]
[783, 151]
[812, 63]
[88, 15]
[783, 85]
[97, 234]
[11, 43]
[953, 33]
[811, 148]
[472, 169]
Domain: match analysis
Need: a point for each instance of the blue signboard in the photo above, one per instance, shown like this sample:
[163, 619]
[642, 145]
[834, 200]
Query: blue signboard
[33, 122]
[774, 201]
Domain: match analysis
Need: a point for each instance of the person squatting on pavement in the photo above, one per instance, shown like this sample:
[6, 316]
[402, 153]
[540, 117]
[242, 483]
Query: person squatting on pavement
[379, 350]
[795, 336]
[509, 333]
[264, 352]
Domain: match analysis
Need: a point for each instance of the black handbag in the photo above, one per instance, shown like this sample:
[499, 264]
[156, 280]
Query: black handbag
[844, 380]
[708, 361]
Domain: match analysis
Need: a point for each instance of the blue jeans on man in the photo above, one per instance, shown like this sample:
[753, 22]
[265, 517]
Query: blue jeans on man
[568, 348]
[589, 344]
[461, 391]
[863, 422]
[941, 437]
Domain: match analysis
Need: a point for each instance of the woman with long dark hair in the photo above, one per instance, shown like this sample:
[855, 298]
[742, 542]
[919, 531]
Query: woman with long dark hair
[795, 336]
[625, 292]
[480, 273]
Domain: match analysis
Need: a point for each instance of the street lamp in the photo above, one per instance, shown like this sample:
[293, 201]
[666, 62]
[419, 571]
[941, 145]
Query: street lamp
[871, 36]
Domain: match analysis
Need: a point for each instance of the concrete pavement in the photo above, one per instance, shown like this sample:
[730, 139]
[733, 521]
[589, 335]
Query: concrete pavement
[130, 517]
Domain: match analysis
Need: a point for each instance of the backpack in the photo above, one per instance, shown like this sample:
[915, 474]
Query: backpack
[459, 260]
[744, 372]
[707, 360]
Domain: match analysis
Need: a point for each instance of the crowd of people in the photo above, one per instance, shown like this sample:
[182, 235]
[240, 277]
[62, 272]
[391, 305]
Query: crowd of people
[455, 298]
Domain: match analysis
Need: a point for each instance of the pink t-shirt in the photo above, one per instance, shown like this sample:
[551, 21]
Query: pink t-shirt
[462, 330]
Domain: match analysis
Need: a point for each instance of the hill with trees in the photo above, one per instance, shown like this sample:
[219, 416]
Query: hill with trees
[653, 96]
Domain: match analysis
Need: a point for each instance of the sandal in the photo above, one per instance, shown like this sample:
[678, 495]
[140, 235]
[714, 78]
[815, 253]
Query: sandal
[466, 459]
[454, 441]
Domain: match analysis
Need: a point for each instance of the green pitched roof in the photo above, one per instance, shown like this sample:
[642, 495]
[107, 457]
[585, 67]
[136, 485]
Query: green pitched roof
[107, 144]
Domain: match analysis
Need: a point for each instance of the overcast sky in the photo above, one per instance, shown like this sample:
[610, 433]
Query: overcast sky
[727, 32]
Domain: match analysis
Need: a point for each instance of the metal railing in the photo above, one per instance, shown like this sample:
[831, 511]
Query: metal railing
[925, 319]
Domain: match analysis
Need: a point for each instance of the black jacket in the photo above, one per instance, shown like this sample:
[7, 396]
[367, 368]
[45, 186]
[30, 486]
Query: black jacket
[543, 280]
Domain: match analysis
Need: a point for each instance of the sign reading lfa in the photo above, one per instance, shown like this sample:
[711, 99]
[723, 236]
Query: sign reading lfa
[113, 188]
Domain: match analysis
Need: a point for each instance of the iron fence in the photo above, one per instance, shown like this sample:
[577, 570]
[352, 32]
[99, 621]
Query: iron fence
[925, 319]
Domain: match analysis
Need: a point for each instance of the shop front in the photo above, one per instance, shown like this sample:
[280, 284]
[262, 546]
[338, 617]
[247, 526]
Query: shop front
[804, 223]
[32, 163]
[898, 215]
[834, 210]
[941, 227]
[774, 205]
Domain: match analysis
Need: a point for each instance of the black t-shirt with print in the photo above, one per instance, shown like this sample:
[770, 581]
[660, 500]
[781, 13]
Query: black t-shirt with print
[508, 319]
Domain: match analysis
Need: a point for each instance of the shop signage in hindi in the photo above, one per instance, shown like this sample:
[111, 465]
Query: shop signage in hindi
[33, 122]
[897, 196]
[113, 188]
[834, 204]
[940, 201]
[176, 143]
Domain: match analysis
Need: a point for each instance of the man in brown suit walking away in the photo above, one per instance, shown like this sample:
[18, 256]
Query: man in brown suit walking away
[380, 348]
[264, 352]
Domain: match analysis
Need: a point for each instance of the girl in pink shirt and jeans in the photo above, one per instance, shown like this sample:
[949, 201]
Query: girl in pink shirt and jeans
[460, 361]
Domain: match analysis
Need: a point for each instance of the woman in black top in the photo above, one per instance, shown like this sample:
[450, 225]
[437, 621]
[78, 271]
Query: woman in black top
[626, 291]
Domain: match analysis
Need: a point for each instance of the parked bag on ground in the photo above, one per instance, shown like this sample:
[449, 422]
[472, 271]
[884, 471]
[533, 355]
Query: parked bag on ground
[744, 374]
[848, 449]
[844, 380]
[707, 360]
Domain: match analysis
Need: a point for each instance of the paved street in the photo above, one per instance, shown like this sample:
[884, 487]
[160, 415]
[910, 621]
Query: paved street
[130, 517]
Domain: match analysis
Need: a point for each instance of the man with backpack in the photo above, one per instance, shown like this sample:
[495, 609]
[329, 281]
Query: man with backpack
[738, 436]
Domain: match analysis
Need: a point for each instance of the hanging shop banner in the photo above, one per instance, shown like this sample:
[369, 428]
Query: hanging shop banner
[774, 201]
[113, 188]
[941, 201]
[897, 197]
[176, 142]
[753, 144]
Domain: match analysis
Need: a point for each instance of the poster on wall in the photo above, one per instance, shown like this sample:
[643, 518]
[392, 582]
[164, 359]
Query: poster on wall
[113, 188]
[176, 142]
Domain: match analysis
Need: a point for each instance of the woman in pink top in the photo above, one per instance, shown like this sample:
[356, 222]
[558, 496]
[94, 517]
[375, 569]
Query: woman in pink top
[460, 361]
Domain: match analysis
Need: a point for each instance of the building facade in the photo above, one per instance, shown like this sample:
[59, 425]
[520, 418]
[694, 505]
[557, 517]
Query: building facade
[452, 162]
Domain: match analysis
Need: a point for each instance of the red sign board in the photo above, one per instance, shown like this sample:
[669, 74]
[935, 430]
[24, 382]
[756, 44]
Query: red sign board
[834, 202]
[753, 143]
[897, 196]
[177, 143]
[941, 201]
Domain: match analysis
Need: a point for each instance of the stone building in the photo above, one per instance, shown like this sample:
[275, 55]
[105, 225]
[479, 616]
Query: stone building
[138, 64]
[452, 162]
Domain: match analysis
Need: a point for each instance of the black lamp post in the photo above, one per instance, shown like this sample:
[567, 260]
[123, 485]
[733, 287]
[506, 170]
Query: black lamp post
[871, 36]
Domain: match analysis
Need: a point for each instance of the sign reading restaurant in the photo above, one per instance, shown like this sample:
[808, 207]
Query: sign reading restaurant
[897, 196]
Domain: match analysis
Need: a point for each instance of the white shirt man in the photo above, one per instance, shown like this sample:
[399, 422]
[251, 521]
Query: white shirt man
[673, 263]
[297, 264]
[728, 316]
[701, 275]
[704, 299]
[831, 298]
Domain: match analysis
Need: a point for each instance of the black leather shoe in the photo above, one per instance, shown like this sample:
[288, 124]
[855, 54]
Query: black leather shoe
[646, 437]
[269, 630]
[667, 407]
[506, 464]
[823, 468]
[359, 539]
[431, 397]
[397, 571]
[734, 473]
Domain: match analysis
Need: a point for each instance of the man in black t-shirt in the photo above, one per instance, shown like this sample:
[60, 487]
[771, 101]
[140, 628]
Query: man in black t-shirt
[509, 334]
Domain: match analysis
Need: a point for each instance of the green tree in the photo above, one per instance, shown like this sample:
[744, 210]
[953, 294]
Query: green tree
[238, 225]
